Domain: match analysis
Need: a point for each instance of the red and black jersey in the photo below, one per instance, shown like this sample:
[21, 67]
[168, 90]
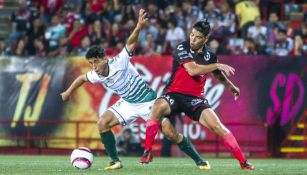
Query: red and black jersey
[180, 80]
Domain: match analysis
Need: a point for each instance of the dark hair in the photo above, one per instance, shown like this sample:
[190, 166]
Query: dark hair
[203, 27]
[95, 52]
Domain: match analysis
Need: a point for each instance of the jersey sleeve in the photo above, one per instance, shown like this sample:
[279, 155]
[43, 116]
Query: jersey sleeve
[182, 54]
[122, 60]
[92, 76]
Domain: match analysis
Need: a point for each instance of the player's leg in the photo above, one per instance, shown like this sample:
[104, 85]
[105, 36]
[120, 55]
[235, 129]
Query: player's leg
[183, 143]
[160, 108]
[151, 114]
[209, 119]
[105, 123]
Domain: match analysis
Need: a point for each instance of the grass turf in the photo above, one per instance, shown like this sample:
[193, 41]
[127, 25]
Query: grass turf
[60, 165]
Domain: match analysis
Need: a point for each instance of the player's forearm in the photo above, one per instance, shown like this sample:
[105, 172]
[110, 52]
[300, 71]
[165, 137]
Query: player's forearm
[76, 84]
[133, 38]
[224, 80]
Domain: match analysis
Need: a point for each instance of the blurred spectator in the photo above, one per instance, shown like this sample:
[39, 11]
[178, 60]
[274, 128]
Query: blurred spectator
[80, 30]
[151, 28]
[128, 13]
[249, 47]
[283, 46]
[36, 32]
[116, 36]
[272, 23]
[97, 33]
[227, 24]
[174, 35]
[96, 6]
[258, 32]
[67, 18]
[20, 48]
[218, 47]
[2, 47]
[149, 47]
[128, 144]
[235, 46]
[54, 32]
[153, 11]
[212, 14]
[302, 31]
[20, 21]
[247, 11]
[85, 44]
[49, 8]
[191, 14]
[34, 6]
[300, 48]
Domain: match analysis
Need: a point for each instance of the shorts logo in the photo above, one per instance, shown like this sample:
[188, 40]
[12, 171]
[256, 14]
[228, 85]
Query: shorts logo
[195, 102]
[168, 98]
[118, 104]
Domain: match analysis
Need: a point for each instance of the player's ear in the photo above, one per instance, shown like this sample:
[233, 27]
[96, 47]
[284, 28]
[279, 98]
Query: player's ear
[105, 59]
[206, 39]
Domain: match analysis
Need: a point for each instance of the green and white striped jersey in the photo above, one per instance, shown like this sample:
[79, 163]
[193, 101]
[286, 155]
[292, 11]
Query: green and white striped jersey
[124, 80]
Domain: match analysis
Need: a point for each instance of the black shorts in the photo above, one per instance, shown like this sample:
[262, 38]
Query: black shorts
[192, 106]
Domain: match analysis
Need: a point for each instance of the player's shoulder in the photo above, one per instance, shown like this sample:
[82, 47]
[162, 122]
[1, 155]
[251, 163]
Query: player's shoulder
[209, 54]
[210, 51]
[183, 51]
[185, 45]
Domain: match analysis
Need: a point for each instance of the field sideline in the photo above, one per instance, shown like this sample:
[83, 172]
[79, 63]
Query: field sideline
[57, 165]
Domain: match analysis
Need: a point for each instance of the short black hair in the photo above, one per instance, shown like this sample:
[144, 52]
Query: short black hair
[203, 27]
[95, 52]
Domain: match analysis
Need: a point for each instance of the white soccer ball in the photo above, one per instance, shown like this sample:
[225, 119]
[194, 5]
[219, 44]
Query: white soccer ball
[81, 158]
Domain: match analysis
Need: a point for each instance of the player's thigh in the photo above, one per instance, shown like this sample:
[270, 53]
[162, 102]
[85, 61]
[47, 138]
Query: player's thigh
[209, 119]
[160, 108]
[169, 130]
[107, 120]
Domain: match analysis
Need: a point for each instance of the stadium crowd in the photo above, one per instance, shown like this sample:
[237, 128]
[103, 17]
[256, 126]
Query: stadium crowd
[51, 28]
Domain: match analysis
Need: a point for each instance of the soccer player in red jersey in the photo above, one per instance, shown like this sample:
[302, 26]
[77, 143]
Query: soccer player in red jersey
[193, 61]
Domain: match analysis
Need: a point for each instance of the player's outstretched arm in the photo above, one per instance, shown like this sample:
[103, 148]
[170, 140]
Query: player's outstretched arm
[133, 38]
[223, 79]
[75, 85]
[196, 69]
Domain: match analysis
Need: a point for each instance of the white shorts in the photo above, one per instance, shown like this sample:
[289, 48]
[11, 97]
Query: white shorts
[129, 112]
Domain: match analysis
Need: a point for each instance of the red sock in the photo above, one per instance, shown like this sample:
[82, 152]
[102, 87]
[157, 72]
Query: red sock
[232, 145]
[152, 127]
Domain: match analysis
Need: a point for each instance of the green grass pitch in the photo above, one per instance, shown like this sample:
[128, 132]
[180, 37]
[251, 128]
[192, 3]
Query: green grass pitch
[60, 165]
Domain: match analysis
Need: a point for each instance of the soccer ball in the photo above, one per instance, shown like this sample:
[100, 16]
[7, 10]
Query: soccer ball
[81, 158]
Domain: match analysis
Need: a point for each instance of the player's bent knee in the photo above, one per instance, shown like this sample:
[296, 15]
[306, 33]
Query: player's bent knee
[103, 125]
[219, 129]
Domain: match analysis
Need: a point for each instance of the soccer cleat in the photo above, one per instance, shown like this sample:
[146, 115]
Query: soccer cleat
[114, 165]
[203, 165]
[247, 166]
[146, 157]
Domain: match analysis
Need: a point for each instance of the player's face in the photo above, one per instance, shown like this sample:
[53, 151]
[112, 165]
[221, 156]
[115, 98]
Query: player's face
[98, 64]
[197, 40]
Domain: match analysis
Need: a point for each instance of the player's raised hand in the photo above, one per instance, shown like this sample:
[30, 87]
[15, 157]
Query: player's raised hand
[142, 18]
[65, 96]
[235, 91]
[228, 70]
